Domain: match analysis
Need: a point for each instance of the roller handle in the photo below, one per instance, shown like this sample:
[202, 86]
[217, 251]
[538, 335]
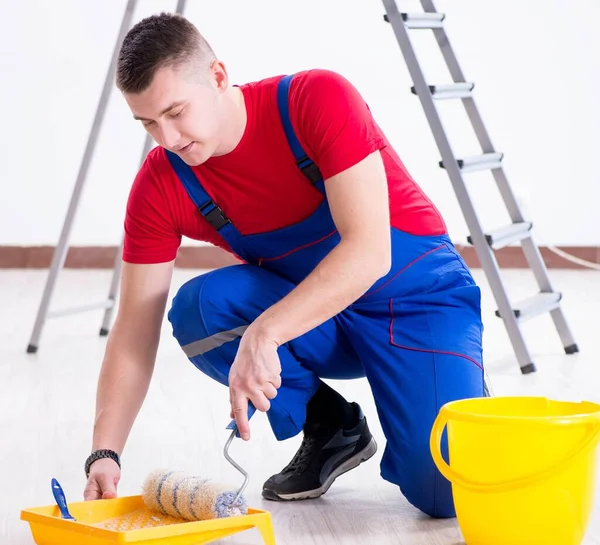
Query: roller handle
[233, 426]
[511, 484]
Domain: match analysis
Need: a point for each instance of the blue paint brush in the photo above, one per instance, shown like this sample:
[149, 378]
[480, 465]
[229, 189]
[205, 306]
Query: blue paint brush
[61, 500]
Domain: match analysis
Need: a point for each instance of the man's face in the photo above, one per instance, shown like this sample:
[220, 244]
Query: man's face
[181, 112]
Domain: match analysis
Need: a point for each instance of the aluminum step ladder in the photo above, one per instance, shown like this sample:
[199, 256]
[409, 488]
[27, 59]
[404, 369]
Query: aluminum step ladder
[520, 230]
[60, 253]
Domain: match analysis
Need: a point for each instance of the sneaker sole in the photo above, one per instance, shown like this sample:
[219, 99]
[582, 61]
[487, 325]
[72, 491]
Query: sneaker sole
[349, 464]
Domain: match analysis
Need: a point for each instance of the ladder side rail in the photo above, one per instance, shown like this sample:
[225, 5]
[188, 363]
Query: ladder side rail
[60, 253]
[486, 256]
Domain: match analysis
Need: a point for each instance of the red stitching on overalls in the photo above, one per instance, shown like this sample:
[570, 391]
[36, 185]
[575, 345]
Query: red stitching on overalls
[425, 349]
[402, 270]
[297, 249]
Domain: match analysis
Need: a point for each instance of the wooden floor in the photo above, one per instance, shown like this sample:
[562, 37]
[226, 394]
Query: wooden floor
[47, 407]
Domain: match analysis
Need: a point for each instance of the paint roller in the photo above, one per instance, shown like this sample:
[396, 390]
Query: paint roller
[195, 498]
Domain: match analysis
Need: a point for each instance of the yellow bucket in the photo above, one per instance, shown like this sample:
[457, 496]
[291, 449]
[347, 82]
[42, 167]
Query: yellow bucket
[523, 469]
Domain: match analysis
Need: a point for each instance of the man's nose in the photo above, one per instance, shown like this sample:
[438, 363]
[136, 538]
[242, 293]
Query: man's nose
[170, 136]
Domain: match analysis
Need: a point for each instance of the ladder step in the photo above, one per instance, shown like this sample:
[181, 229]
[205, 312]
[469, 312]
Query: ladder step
[505, 236]
[421, 20]
[487, 161]
[451, 90]
[536, 305]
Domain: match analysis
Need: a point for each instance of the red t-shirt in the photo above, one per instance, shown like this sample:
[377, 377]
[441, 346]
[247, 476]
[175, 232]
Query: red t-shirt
[257, 185]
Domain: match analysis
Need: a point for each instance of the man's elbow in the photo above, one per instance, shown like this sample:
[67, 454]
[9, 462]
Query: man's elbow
[378, 258]
[372, 253]
[382, 262]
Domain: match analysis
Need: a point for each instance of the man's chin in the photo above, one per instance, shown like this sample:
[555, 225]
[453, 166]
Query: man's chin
[196, 156]
[193, 159]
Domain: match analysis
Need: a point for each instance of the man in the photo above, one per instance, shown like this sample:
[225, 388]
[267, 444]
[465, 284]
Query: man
[347, 270]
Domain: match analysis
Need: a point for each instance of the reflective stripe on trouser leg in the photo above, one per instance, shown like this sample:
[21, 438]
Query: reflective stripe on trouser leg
[420, 352]
[199, 348]
[210, 312]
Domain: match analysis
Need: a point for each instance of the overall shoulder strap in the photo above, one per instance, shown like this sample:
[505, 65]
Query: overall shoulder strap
[305, 163]
[205, 205]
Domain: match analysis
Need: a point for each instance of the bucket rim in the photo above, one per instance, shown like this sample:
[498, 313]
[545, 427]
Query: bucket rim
[589, 421]
[584, 417]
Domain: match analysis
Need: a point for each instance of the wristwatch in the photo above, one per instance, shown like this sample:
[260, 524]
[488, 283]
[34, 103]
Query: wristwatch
[98, 455]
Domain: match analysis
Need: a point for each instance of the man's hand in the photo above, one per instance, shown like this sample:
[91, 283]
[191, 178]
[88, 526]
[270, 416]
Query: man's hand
[103, 480]
[255, 376]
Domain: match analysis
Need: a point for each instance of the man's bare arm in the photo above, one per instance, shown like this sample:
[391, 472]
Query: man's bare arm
[359, 202]
[130, 353]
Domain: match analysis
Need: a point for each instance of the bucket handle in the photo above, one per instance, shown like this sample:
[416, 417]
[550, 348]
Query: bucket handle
[503, 486]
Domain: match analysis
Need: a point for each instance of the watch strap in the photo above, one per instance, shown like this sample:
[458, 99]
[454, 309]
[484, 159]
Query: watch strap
[99, 455]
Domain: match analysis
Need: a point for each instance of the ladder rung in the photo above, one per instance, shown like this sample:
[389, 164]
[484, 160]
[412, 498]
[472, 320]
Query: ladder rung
[536, 305]
[421, 20]
[487, 161]
[452, 90]
[507, 235]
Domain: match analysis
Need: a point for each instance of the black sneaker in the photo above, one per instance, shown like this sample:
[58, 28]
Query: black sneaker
[323, 456]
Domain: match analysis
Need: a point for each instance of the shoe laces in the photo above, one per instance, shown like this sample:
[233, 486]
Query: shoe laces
[302, 457]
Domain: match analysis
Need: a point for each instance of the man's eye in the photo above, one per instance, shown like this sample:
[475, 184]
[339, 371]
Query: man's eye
[177, 114]
[147, 123]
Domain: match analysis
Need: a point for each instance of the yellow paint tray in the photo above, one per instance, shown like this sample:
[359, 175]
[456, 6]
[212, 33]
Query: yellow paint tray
[127, 520]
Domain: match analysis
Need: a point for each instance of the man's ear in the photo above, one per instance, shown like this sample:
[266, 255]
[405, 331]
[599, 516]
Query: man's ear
[218, 75]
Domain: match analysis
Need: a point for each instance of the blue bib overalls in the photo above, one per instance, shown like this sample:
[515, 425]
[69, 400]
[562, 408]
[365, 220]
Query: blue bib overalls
[415, 335]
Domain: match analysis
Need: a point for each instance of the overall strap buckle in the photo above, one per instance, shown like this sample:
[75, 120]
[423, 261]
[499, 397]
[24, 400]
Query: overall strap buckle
[309, 169]
[303, 161]
[216, 217]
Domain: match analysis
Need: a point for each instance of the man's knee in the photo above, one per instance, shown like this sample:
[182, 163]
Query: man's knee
[209, 313]
[199, 299]
[185, 315]
[419, 480]
[224, 298]
[432, 495]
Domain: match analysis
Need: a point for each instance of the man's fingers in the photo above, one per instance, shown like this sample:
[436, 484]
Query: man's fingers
[260, 401]
[239, 408]
[260, 398]
[270, 390]
[108, 487]
[92, 491]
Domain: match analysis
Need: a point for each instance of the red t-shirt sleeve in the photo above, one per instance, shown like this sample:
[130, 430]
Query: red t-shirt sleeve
[332, 121]
[151, 233]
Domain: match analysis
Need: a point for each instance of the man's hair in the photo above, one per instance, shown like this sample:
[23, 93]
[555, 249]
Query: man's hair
[164, 40]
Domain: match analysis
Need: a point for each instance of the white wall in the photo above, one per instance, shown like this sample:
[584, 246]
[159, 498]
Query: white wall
[537, 85]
